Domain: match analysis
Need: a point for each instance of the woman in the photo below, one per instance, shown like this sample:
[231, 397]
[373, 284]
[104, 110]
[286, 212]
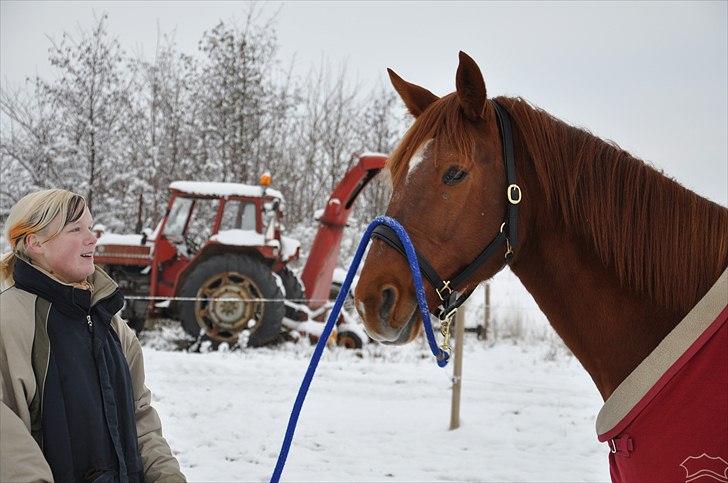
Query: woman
[74, 404]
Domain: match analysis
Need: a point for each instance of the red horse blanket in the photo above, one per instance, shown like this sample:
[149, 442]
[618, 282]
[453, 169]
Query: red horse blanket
[668, 420]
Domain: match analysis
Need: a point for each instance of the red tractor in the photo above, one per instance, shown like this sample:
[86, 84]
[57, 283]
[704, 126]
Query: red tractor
[218, 261]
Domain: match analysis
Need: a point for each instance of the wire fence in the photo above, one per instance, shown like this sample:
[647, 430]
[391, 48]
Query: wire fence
[223, 299]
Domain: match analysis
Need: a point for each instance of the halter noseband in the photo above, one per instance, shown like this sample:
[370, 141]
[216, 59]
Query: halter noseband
[447, 290]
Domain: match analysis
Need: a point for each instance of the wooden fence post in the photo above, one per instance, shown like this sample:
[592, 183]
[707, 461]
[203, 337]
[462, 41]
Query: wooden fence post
[457, 368]
[483, 332]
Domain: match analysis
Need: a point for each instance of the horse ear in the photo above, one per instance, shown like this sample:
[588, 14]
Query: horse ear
[470, 87]
[416, 98]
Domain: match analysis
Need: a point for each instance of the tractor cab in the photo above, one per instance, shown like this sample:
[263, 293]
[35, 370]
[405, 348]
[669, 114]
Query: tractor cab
[204, 214]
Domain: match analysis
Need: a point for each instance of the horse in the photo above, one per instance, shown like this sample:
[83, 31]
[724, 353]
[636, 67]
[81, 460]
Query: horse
[616, 255]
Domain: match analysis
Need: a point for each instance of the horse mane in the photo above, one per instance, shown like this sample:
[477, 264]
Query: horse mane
[603, 193]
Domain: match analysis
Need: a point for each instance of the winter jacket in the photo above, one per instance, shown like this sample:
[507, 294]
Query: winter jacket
[74, 406]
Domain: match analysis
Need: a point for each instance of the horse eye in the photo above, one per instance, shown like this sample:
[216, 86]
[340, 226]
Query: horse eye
[453, 176]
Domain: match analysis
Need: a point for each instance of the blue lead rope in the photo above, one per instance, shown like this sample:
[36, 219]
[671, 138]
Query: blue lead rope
[441, 356]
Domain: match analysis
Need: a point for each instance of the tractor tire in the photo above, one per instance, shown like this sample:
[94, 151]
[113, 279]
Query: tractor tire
[232, 276]
[131, 281]
[349, 339]
[134, 312]
[294, 291]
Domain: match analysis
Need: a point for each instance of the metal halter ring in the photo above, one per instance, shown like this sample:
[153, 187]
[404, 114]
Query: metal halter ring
[511, 198]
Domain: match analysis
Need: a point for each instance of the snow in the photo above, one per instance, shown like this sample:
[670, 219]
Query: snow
[353, 326]
[237, 237]
[279, 283]
[251, 238]
[289, 247]
[310, 327]
[380, 414]
[212, 188]
[119, 239]
[340, 276]
[373, 153]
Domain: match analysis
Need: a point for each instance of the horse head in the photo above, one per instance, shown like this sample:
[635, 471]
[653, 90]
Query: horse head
[449, 192]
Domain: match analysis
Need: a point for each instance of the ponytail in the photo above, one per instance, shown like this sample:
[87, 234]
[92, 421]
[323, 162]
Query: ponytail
[7, 263]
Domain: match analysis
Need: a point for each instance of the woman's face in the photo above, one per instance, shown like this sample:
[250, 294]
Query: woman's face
[69, 255]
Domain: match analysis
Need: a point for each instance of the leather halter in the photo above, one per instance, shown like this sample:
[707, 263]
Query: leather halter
[447, 290]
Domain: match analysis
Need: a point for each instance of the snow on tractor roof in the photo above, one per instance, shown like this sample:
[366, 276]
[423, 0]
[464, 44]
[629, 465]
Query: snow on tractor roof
[372, 153]
[248, 238]
[212, 188]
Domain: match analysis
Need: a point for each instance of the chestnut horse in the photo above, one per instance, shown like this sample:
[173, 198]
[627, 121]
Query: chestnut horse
[614, 253]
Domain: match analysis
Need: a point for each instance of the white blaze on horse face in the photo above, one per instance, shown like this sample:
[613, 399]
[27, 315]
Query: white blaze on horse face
[417, 158]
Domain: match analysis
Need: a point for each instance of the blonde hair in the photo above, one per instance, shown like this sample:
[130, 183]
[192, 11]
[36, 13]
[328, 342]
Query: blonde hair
[32, 214]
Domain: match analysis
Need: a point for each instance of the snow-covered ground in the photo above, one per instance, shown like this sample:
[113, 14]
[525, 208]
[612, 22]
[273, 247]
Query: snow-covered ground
[381, 414]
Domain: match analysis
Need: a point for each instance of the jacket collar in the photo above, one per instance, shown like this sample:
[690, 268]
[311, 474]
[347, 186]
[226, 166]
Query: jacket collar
[69, 298]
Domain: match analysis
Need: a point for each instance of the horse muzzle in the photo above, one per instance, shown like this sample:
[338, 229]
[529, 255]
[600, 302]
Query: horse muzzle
[387, 317]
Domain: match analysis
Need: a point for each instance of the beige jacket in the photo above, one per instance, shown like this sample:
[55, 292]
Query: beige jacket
[20, 456]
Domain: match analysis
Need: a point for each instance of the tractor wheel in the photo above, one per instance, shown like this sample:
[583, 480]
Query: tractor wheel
[134, 312]
[349, 339]
[294, 291]
[137, 325]
[238, 278]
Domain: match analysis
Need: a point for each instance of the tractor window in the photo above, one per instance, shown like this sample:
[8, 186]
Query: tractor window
[238, 215]
[177, 217]
[201, 222]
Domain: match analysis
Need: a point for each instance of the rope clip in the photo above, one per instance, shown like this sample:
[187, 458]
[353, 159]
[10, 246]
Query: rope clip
[445, 325]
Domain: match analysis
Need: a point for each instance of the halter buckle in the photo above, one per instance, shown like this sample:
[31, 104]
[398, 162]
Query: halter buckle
[514, 199]
[445, 286]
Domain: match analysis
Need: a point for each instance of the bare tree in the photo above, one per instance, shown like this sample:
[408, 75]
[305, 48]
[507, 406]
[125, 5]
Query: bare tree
[89, 91]
[379, 131]
[239, 93]
[30, 150]
[325, 132]
[162, 131]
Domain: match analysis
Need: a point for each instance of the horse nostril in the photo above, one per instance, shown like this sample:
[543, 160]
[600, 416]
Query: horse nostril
[389, 296]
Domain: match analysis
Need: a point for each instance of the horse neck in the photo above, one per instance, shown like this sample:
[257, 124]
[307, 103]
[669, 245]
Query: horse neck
[610, 328]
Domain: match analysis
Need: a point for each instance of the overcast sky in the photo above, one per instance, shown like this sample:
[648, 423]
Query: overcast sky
[650, 76]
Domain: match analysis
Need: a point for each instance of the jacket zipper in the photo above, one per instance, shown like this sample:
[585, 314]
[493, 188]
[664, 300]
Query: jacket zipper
[90, 324]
